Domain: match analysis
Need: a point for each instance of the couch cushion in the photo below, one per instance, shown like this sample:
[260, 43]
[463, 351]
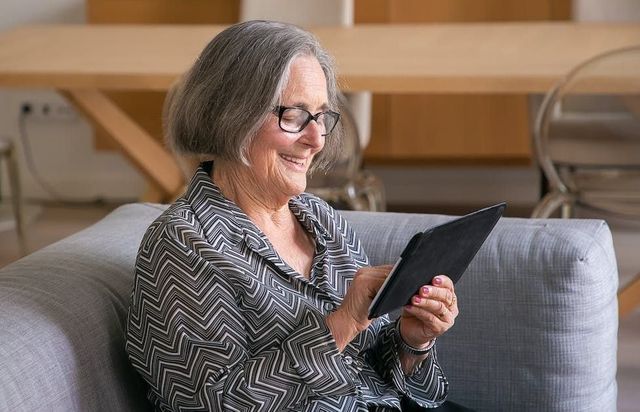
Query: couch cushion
[538, 319]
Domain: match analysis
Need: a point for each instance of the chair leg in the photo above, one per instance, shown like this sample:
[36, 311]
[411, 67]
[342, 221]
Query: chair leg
[550, 202]
[375, 199]
[629, 297]
[372, 189]
[566, 211]
[16, 199]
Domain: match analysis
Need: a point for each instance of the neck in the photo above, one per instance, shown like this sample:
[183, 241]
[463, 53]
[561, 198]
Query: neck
[259, 203]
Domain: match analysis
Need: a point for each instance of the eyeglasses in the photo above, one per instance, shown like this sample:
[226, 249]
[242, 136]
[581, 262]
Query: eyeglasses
[295, 119]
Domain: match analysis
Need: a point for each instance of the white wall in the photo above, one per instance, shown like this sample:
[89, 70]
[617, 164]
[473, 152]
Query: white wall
[17, 12]
[61, 148]
[606, 10]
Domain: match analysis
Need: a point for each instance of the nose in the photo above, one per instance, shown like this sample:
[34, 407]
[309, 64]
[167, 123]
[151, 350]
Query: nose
[312, 135]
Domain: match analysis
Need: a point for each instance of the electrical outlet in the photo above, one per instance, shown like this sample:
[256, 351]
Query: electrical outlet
[57, 111]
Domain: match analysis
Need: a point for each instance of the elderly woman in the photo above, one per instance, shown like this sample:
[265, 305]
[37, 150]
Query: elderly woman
[250, 294]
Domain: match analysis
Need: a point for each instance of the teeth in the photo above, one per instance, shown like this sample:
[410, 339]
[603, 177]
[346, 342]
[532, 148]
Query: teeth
[292, 159]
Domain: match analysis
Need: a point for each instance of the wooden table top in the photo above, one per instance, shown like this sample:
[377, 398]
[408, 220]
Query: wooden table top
[427, 58]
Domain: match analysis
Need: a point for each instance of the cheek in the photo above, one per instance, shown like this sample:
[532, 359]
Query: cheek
[265, 147]
[272, 139]
[264, 159]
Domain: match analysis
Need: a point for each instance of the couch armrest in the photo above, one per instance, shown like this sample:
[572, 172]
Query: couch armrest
[538, 321]
[62, 318]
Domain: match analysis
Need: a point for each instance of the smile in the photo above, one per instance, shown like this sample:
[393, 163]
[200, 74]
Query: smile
[295, 160]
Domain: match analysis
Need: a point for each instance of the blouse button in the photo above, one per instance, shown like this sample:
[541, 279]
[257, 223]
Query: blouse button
[348, 360]
[328, 306]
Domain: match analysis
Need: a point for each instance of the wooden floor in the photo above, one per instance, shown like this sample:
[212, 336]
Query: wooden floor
[49, 223]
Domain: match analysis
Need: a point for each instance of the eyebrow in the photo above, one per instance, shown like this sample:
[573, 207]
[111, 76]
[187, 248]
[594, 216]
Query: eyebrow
[324, 107]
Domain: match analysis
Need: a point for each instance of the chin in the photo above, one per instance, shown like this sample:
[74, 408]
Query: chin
[297, 188]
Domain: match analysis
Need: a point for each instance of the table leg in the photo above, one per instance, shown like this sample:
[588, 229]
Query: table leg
[153, 194]
[629, 297]
[149, 157]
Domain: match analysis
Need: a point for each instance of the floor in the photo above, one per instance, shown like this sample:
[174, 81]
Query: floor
[51, 222]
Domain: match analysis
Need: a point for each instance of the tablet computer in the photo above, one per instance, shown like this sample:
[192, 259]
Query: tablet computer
[446, 249]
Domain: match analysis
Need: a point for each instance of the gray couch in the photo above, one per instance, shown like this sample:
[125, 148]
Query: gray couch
[537, 328]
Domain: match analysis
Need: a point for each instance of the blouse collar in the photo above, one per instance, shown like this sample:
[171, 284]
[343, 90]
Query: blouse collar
[222, 220]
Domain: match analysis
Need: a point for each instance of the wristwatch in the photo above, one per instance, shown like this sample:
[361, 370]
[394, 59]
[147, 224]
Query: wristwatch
[408, 348]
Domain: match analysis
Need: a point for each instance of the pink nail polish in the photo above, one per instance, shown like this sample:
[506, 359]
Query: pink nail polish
[425, 290]
[417, 299]
[437, 280]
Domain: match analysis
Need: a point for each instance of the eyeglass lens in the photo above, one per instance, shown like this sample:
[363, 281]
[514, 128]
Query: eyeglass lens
[295, 120]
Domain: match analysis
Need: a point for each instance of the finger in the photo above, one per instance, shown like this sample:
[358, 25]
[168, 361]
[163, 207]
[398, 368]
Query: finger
[437, 309]
[453, 307]
[444, 295]
[443, 281]
[431, 324]
[370, 279]
[444, 314]
[375, 271]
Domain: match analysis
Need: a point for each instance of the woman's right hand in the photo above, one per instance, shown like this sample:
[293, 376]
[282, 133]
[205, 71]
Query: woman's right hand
[351, 317]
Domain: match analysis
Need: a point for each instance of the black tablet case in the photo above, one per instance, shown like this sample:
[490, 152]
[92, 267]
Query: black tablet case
[446, 249]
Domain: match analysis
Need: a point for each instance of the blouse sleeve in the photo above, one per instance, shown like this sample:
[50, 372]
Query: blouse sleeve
[427, 385]
[185, 336]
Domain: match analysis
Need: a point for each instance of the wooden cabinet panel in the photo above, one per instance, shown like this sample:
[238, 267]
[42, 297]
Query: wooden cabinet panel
[163, 11]
[421, 11]
[438, 11]
[371, 11]
[450, 128]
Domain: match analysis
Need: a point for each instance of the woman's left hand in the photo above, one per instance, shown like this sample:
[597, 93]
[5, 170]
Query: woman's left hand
[431, 312]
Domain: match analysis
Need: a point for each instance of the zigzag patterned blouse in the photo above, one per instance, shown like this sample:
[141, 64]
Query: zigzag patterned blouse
[218, 321]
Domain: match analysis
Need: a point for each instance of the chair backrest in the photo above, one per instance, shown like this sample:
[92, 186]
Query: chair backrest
[349, 160]
[587, 132]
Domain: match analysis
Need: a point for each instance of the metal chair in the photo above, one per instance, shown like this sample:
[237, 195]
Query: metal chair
[587, 142]
[7, 154]
[587, 138]
[347, 185]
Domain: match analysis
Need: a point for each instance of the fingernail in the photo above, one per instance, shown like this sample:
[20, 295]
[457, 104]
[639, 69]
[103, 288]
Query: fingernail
[437, 280]
[417, 299]
[425, 290]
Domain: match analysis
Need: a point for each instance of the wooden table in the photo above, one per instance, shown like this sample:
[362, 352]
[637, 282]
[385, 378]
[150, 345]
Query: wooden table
[81, 61]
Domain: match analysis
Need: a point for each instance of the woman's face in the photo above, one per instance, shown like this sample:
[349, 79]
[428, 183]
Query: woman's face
[280, 160]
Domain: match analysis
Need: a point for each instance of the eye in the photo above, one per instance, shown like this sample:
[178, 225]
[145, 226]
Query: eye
[290, 115]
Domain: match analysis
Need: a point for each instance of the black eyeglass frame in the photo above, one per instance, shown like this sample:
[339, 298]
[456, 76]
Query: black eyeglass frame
[279, 111]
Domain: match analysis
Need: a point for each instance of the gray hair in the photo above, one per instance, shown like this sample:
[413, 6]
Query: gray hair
[216, 109]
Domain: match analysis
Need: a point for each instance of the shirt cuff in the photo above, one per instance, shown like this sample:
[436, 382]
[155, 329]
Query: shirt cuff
[427, 386]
